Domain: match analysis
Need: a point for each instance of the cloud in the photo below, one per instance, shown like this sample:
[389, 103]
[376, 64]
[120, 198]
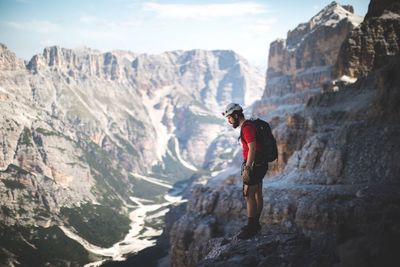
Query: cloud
[261, 26]
[91, 20]
[205, 11]
[34, 26]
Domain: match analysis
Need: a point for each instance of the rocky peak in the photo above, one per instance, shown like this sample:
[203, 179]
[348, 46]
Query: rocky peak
[55, 55]
[368, 46]
[349, 8]
[327, 17]
[85, 61]
[8, 60]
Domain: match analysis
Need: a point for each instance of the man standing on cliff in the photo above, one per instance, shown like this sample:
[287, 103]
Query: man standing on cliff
[252, 172]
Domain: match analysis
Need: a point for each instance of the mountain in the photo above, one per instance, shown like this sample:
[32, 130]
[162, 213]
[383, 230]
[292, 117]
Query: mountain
[304, 61]
[91, 143]
[332, 198]
[369, 46]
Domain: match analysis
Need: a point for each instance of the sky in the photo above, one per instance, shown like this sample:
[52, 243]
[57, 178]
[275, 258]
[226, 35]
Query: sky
[246, 27]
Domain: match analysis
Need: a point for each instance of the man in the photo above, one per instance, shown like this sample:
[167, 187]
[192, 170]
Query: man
[253, 171]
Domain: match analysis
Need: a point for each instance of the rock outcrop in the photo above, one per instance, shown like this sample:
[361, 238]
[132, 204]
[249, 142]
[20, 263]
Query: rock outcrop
[368, 46]
[333, 201]
[8, 60]
[305, 59]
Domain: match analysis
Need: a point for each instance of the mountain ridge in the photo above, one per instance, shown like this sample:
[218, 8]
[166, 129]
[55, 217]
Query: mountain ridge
[83, 132]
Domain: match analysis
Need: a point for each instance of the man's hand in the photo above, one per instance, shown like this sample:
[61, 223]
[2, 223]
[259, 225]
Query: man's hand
[246, 175]
[249, 162]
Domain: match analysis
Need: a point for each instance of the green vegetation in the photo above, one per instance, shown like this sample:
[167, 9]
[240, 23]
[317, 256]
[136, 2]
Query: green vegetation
[37, 246]
[16, 123]
[46, 132]
[41, 213]
[172, 168]
[26, 137]
[62, 150]
[139, 125]
[22, 211]
[127, 147]
[18, 171]
[6, 211]
[146, 190]
[13, 184]
[109, 179]
[100, 225]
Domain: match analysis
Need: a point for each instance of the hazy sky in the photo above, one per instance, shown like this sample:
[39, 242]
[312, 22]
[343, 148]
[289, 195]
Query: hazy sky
[247, 27]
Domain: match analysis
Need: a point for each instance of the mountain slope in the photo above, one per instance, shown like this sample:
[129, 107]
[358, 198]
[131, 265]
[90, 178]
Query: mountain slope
[83, 132]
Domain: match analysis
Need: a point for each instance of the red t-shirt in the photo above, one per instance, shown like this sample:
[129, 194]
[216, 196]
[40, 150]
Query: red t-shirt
[249, 133]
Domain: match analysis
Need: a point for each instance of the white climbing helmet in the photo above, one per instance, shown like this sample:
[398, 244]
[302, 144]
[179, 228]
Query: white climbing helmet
[230, 108]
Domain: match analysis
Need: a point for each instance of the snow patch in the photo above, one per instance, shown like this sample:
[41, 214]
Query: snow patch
[178, 154]
[390, 15]
[347, 79]
[156, 116]
[152, 180]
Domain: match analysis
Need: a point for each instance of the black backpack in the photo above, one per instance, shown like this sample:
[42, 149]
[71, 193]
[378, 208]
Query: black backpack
[269, 150]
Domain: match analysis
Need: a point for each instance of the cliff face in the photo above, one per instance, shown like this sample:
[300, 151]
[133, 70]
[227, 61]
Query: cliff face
[8, 60]
[334, 198]
[305, 59]
[369, 45]
[298, 68]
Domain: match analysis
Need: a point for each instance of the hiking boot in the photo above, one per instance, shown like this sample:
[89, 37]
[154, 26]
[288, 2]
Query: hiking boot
[247, 232]
[258, 227]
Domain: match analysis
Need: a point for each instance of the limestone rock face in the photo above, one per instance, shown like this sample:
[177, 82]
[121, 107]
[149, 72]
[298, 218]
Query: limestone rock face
[8, 60]
[305, 59]
[376, 39]
[299, 68]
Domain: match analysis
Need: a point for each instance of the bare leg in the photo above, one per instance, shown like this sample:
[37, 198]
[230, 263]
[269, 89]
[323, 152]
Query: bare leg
[251, 228]
[251, 202]
[259, 199]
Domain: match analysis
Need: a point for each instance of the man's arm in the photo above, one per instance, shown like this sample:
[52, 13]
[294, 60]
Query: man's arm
[251, 154]
[250, 160]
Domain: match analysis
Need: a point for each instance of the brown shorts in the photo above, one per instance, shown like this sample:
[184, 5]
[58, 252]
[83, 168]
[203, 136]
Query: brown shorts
[257, 173]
